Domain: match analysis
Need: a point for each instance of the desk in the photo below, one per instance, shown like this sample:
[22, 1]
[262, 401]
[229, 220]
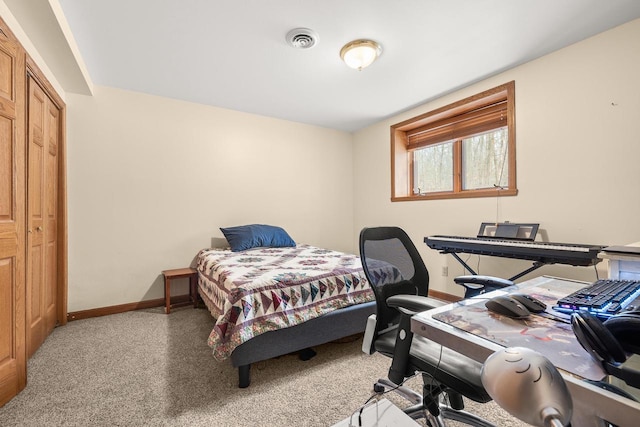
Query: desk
[591, 404]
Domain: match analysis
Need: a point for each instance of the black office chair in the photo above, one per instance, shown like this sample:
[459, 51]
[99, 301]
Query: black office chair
[400, 282]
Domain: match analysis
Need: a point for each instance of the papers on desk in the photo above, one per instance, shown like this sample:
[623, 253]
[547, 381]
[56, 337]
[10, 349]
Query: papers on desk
[552, 338]
[626, 250]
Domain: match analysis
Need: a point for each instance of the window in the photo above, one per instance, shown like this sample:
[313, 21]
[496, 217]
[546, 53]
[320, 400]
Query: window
[466, 149]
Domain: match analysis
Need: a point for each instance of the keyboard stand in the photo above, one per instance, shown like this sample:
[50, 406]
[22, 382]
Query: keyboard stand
[536, 265]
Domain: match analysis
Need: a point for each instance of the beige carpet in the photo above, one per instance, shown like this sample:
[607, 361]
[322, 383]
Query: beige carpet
[147, 368]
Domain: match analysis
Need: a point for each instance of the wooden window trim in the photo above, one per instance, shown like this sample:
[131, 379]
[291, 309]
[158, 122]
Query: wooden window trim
[481, 110]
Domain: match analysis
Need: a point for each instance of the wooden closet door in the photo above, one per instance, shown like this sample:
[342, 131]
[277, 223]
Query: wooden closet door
[51, 217]
[41, 213]
[12, 219]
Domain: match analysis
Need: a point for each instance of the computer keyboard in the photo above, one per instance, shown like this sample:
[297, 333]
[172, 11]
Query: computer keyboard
[603, 298]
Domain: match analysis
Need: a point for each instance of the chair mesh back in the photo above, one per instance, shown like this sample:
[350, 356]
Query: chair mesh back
[393, 252]
[392, 266]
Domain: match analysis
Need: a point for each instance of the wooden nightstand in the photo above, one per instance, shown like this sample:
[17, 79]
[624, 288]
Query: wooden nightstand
[180, 273]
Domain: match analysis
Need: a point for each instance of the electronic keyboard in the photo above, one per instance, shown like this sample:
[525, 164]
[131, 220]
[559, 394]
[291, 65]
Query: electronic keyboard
[541, 252]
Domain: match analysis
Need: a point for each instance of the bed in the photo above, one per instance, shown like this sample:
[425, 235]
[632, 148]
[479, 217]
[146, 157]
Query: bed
[274, 299]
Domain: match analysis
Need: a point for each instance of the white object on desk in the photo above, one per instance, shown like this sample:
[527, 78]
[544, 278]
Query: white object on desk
[514, 372]
[621, 265]
[386, 414]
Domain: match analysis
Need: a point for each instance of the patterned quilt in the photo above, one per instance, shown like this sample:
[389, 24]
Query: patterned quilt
[264, 289]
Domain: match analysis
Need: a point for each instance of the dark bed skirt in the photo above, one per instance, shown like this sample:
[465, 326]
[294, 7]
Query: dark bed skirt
[329, 327]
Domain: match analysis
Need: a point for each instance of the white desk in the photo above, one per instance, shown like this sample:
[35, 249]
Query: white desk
[386, 414]
[591, 404]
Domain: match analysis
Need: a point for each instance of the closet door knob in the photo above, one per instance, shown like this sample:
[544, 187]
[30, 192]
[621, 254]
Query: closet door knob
[30, 231]
[39, 228]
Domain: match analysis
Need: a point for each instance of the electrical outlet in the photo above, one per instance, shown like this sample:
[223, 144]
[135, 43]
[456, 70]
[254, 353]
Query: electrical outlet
[445, 271]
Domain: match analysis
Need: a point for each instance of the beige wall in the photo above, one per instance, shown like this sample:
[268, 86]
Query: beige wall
[152, 179]
[578, 154]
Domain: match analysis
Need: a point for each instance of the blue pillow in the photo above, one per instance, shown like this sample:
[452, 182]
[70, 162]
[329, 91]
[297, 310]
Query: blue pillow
[250, 236]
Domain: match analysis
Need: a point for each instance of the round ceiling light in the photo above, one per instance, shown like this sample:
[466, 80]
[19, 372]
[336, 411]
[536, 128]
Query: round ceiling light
[302, 38]
[359, 54]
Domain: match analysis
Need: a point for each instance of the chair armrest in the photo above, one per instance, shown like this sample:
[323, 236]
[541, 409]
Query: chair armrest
[408, 305]
[413, 304]
[480, 282]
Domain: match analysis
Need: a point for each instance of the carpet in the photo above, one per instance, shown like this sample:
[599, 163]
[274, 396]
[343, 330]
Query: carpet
[146, 368]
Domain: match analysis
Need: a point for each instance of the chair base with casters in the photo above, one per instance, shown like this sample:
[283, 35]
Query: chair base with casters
[419, 409]
[437, 364]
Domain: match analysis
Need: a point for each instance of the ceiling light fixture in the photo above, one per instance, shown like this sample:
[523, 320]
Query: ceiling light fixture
[359, 54]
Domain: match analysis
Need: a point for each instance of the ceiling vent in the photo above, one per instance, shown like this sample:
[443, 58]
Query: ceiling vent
[302, 38]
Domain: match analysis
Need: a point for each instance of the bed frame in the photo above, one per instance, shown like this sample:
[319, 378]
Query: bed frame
[329, 327]
[332, 326]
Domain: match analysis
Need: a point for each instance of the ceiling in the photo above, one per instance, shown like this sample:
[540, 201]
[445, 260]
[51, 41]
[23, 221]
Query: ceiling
[233, 53]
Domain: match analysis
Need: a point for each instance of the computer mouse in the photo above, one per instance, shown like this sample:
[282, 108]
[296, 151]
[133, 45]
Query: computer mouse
[507, 306]
[534, 305]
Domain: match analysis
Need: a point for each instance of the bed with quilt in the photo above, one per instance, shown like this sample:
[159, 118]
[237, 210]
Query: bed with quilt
[274, 297]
